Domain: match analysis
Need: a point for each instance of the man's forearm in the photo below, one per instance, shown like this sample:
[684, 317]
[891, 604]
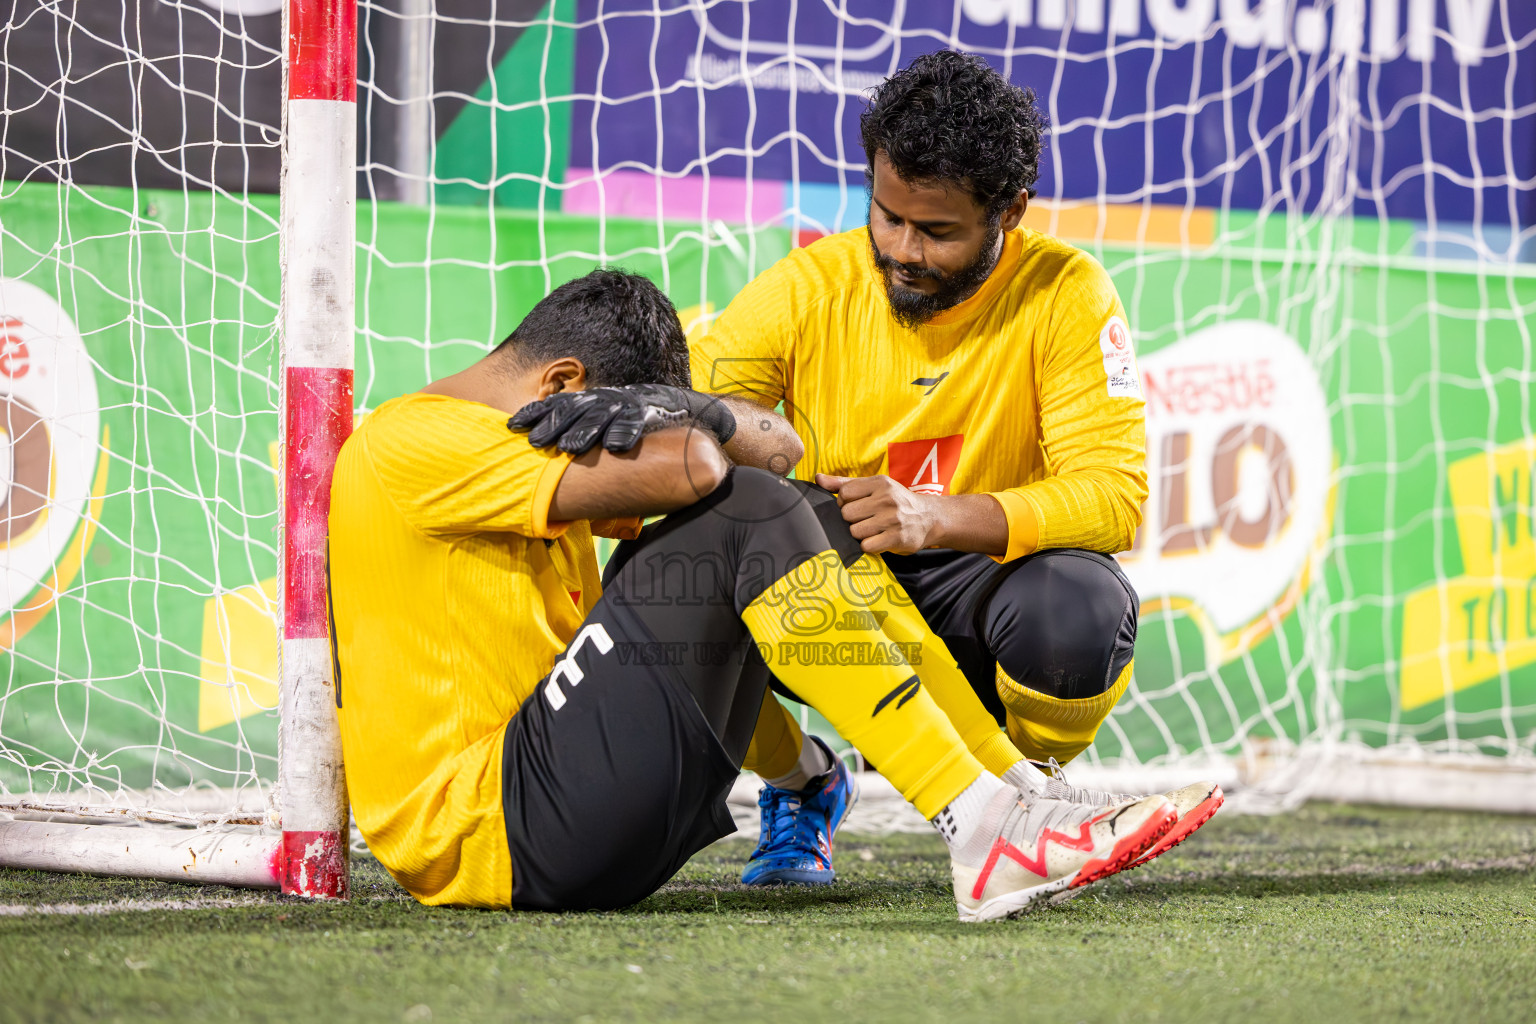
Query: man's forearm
[971, 522]
[667, 470]
[763, 438]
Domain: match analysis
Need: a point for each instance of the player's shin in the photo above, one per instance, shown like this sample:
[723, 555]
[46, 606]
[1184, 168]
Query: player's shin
[901, 622]
[1045, 727]
[1005, 857]
[777, 745]
[820, 639]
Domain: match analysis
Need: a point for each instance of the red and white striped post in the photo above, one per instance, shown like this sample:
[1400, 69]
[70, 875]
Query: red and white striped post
[318, 199]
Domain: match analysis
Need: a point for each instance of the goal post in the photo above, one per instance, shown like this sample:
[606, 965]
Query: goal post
[299, 841]
[319, 239]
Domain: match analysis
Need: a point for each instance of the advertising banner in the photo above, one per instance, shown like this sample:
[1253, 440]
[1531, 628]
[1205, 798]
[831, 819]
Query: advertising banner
[139, 449]
[747, 112]
[1339, 538]
[1412, 110]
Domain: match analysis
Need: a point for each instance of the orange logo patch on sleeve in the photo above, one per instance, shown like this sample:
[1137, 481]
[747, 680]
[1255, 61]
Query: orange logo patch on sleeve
[925, 466]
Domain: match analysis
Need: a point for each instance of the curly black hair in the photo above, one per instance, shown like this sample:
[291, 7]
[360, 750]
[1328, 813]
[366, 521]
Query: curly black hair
[949, 117]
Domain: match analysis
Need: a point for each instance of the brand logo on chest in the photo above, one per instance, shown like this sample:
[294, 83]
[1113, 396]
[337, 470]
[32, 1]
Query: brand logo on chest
[925, 466]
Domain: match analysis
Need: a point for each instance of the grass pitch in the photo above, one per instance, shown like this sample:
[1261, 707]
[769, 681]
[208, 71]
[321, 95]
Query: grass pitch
[1331, 913]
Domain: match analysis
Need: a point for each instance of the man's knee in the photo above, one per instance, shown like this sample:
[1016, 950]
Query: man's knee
[789, 514]
[767, 525]
[758, 487]
[1063, 624]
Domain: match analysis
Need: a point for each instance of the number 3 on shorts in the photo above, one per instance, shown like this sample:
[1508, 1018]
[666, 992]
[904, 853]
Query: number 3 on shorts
[567, 666]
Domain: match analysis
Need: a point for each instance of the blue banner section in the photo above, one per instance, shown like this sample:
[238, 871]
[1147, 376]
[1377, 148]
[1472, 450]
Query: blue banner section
[1414, 109]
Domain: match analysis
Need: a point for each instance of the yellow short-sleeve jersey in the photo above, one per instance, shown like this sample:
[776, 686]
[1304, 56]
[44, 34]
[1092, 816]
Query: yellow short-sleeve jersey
[452, 596]
[1028, 390]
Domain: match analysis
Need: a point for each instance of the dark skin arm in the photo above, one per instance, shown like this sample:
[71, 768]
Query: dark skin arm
[763, 438]
[888, 517]
[665, 471]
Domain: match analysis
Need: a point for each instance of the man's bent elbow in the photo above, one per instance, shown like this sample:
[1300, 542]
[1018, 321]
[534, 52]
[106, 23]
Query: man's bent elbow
[780, 456]
[1127, 518]
[1128, 502]
[704, 467]
[794, 451]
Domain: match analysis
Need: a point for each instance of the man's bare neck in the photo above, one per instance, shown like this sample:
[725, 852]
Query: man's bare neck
[483, 384]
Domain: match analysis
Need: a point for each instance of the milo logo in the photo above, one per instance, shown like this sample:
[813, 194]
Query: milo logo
[50, 451]
[1239, 468]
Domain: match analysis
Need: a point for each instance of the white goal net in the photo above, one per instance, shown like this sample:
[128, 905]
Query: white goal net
[1319, 217]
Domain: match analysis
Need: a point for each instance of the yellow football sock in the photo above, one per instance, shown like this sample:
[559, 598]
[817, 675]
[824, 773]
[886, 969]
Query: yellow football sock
[1044, 727]
[775, 747]
[818, 636]
[936, 667]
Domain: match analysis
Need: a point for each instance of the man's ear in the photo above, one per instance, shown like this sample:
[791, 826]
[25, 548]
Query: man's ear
[1015, 213]
[564, 374]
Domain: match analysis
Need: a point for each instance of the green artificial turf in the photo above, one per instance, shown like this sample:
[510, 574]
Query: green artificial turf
[1330, 913]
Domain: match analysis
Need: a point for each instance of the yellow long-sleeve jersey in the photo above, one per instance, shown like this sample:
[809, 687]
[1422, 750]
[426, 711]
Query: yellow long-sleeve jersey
[1028, 390]
[453, 594]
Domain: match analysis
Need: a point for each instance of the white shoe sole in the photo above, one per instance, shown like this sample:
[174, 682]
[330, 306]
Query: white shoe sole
[1012, 904]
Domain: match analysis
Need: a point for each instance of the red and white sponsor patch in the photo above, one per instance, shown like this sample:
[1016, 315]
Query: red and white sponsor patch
[1119, 360]
[925, 466]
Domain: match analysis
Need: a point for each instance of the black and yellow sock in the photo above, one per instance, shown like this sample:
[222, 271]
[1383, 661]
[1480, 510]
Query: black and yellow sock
[902, 622]
[817, 634]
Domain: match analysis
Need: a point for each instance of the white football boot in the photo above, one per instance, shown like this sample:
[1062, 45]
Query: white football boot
[1195, 804]
[1022, 854]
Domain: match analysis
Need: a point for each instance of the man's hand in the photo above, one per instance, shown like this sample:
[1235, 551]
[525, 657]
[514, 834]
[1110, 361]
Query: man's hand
[574, 421]
[885, 515]
[888, 517]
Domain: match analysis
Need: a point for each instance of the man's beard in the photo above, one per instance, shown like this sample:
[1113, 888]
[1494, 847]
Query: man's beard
[913, 308]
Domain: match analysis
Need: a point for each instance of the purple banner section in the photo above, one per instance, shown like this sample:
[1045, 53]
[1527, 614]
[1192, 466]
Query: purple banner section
[1422, 110]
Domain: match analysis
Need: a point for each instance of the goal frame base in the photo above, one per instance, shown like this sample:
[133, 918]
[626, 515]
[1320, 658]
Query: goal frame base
[235, 855]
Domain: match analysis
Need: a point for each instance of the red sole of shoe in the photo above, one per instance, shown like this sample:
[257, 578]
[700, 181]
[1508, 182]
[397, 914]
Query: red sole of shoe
[1127, 850]
[1187, 826]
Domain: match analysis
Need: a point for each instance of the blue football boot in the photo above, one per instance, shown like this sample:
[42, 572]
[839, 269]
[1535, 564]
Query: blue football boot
[795, 844]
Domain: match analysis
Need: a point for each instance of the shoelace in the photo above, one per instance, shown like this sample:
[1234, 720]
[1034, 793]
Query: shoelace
[1051, 767]
[1067, 818]
[1060, 789]
[777, 831]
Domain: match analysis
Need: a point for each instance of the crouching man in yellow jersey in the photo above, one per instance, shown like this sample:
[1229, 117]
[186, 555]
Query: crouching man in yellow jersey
[518, 732]
[968, 389]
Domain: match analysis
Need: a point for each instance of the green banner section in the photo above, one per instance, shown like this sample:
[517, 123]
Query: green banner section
[1408, 616]
[140, 633]
[1339, 540]
[527, 96]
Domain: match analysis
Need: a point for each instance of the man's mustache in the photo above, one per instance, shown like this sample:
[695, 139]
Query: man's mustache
[890, 263]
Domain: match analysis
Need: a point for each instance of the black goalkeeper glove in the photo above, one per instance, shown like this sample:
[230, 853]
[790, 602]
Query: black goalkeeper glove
[574, 421]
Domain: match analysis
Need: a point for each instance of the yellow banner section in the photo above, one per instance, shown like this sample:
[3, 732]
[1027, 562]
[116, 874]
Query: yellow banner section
[1474, 628]
[239, 662]
[238, 672]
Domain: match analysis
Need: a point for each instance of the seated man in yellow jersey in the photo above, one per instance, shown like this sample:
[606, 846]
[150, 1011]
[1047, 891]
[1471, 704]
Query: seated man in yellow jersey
[518, 733]
[967, 387]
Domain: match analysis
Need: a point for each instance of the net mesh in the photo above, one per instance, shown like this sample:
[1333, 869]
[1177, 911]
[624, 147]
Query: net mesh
[1316, 217]
[138, 284]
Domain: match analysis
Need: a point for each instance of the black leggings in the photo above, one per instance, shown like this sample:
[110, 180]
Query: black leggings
[616, 770]
[688, 577]
[1061, 622]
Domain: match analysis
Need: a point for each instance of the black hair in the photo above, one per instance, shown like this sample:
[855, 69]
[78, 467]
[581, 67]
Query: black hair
[949, 117]
[620, 325]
